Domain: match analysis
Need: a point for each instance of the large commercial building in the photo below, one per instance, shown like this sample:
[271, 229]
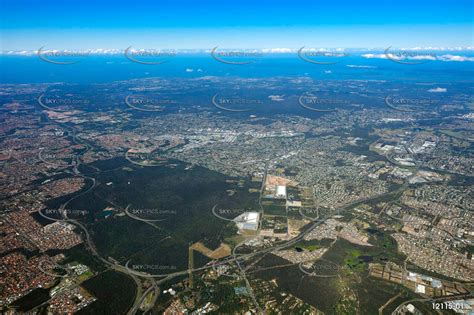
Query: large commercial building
[247, 221]
[280, 192]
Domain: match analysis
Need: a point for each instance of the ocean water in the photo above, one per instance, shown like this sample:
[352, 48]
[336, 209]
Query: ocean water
[106, 68]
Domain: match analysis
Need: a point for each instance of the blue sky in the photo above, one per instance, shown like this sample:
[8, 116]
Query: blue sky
[28, 25]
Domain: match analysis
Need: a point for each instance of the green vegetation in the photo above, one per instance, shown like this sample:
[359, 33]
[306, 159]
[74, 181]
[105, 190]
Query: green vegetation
[223, 295]
[353, 261]
[274, 210]
[187, 195]
[114, 298]
[310, 245]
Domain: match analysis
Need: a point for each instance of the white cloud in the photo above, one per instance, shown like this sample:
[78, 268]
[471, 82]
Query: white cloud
[276, 98]
[422, 57]
[370, 56]
[438, 90]
[455, 58]
[431, 57]
[399, 57]
[277, 50]
[360, 66]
